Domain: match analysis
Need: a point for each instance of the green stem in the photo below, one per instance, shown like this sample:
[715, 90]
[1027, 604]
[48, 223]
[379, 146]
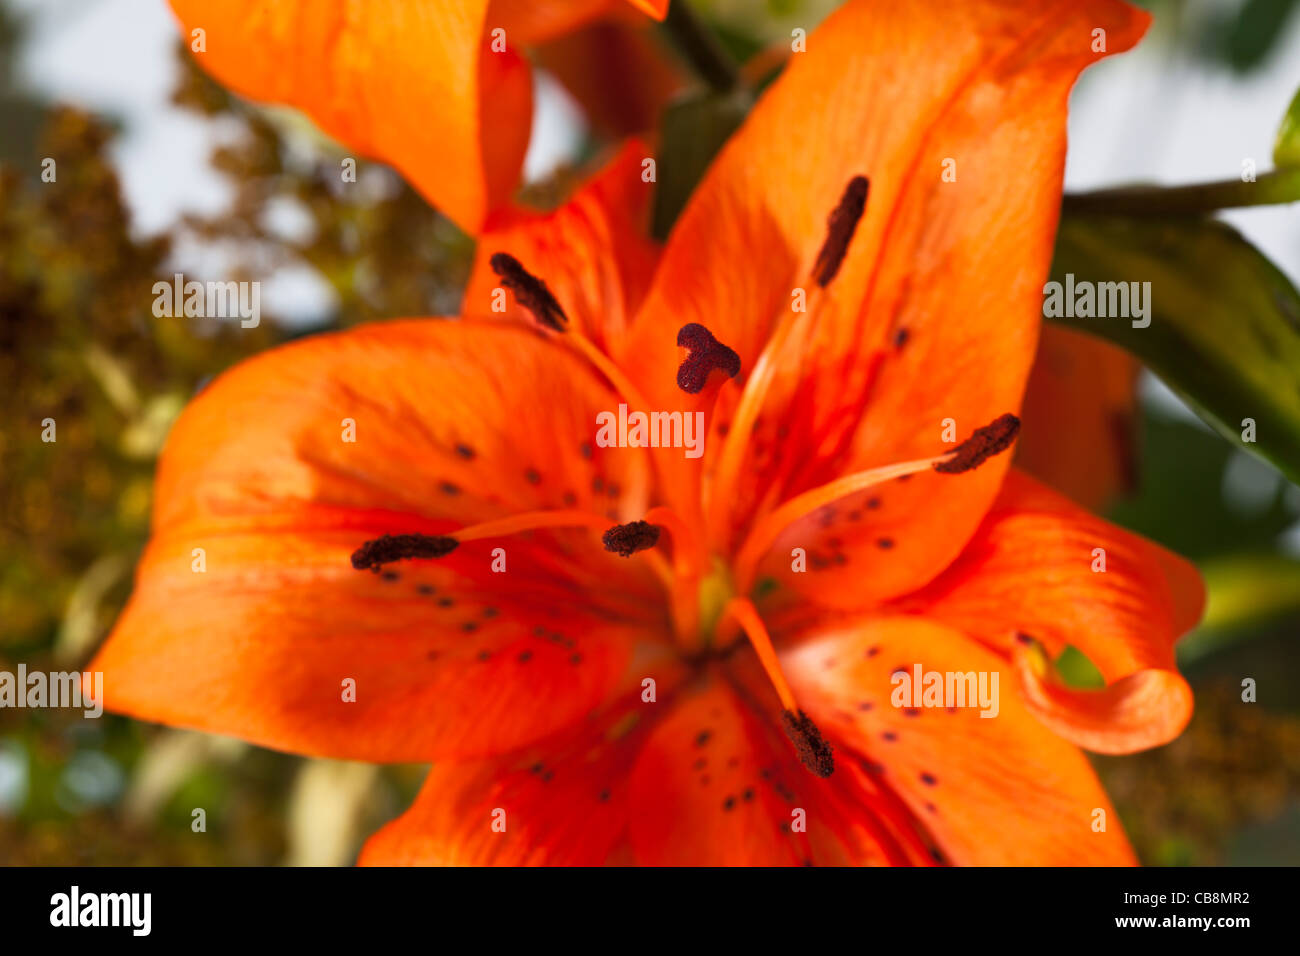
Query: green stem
[1279, 186]
[700, 47]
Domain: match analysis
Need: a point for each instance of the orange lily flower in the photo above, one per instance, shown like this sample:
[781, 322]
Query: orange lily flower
[428, 86]
[616, 654]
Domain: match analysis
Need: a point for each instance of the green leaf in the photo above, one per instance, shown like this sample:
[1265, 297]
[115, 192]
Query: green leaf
[692, 131]
[1224, 322]
[1286, 150]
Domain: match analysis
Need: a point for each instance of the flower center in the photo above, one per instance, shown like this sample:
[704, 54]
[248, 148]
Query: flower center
[715, 590]
[708, 581]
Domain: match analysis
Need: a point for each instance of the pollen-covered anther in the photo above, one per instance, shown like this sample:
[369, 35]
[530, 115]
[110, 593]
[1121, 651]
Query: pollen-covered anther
[813, 750]
[395, 547]
[531, 291]
[986, 442]
[627, 539]
[706, 354]
[840, 226]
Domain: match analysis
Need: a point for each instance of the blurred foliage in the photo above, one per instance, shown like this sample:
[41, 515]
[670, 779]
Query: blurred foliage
[383, 250]
[1236, 766]
[1224, 331]
[1243, 38]
[79, 344]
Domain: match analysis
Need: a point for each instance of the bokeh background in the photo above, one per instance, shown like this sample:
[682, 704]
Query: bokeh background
[161, 171]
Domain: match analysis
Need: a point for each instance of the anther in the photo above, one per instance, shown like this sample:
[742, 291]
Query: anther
[982, 445]
[706, 354]
[813, 750]
[531, 291]
[394, 547]
[840, 226]
[627, 539]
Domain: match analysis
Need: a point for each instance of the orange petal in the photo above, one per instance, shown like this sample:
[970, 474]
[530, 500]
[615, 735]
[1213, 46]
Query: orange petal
[280, 642]
[717, 784]
[1029, 570]
[654, 8]
[529, 22]
[1033, 568]
[936, 309]
[411, 84]
[617, 71]
[592, 252]
[455, 421]
[1077, 427]
[563, 802]
[1145, 709]
[260, 474]
[991, 791]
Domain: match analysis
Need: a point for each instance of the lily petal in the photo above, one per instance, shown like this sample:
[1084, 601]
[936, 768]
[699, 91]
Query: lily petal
[992, 791]
[256, 634]
[1043, 567]
[717, 784]
[1078, 424]
[935, 311]
[410, 84]
[1144, 709]
[529, 22]
[617, 71]
[563, 802]
[592, 252]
